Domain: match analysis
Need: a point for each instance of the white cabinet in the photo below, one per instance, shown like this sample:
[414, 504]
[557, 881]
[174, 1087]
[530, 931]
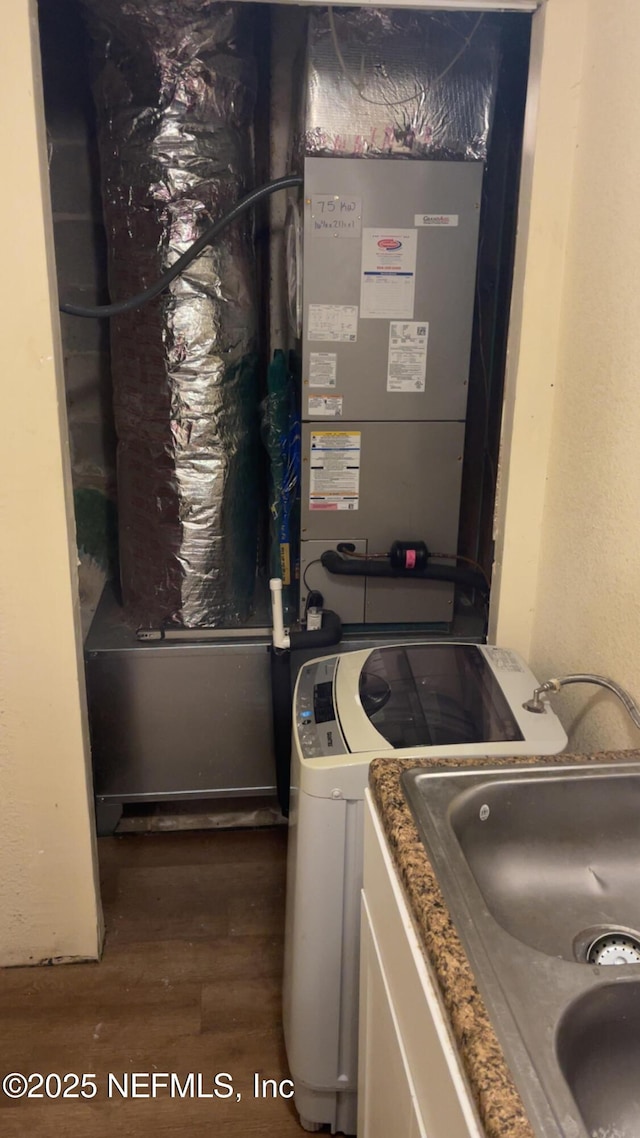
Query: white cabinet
[387, 1101]
[410, 1081]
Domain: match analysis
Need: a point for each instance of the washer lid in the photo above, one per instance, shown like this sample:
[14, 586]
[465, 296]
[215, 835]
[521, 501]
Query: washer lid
[428, 695]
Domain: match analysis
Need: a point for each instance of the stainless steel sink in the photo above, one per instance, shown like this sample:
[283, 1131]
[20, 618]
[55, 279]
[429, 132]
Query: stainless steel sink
[599, 1053]
[539, 867]
[553, 856]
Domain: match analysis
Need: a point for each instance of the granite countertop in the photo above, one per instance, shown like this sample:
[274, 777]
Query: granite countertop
[499, 1105]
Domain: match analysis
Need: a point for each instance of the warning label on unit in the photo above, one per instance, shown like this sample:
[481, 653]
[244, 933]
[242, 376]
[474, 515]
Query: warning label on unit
[407, 366]
[388, 282]
[338, 322]
[334, 470]
[323, 368]
[330, 405]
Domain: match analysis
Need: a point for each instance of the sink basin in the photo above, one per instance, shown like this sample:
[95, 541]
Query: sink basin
[599, 1054]
[539, 869]
[554, 857]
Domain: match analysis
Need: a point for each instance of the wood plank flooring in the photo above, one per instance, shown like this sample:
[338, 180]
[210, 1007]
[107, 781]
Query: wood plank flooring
[190, 981]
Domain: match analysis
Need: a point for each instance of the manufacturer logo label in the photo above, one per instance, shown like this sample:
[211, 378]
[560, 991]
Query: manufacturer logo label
[389, 244]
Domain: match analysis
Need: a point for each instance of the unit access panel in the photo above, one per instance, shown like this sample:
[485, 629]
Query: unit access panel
[389, 267]
[370, 484]
[389, 264]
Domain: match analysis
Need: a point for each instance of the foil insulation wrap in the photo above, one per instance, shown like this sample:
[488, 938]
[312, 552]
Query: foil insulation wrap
[175, 94]
[381, 83]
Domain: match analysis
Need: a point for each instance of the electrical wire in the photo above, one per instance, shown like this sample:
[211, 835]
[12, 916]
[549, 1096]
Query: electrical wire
[316, 561]
[211, 232]
[358, 84]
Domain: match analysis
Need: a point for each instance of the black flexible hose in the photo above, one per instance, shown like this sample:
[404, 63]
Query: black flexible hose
[335, 562]
[209, 235]
[282, 707]
[330, 633]
[282, 696]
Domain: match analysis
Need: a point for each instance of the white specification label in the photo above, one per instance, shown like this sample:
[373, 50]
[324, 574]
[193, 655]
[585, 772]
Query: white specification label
[330, 405]
[334, 470]
[323, 369]
[336, 215]
[407, 366]
[337, 322]
[504, 660]
[436, 220]
[388, 282]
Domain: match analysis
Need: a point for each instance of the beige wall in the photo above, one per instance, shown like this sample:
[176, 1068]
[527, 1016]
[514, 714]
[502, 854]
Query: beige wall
[585, 555]
[550, 136]
[48, 898]
[587, 603]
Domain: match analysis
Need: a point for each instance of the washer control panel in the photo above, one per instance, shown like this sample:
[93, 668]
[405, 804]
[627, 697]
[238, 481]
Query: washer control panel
[315, 719]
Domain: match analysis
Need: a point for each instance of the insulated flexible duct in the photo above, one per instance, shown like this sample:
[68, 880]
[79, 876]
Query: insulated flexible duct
[175, 92]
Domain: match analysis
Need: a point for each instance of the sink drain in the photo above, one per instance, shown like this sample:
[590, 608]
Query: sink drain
[614, 948]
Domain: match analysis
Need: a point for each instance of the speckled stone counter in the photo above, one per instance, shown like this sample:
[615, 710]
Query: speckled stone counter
[499, 1105]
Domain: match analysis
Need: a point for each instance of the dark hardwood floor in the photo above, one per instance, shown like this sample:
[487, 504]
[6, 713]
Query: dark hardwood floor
[190, 981]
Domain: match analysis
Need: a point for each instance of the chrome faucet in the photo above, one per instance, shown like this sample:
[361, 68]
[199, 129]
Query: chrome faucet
[537, 703]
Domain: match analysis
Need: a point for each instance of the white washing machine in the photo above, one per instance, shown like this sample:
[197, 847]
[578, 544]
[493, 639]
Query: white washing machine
[412, 700]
